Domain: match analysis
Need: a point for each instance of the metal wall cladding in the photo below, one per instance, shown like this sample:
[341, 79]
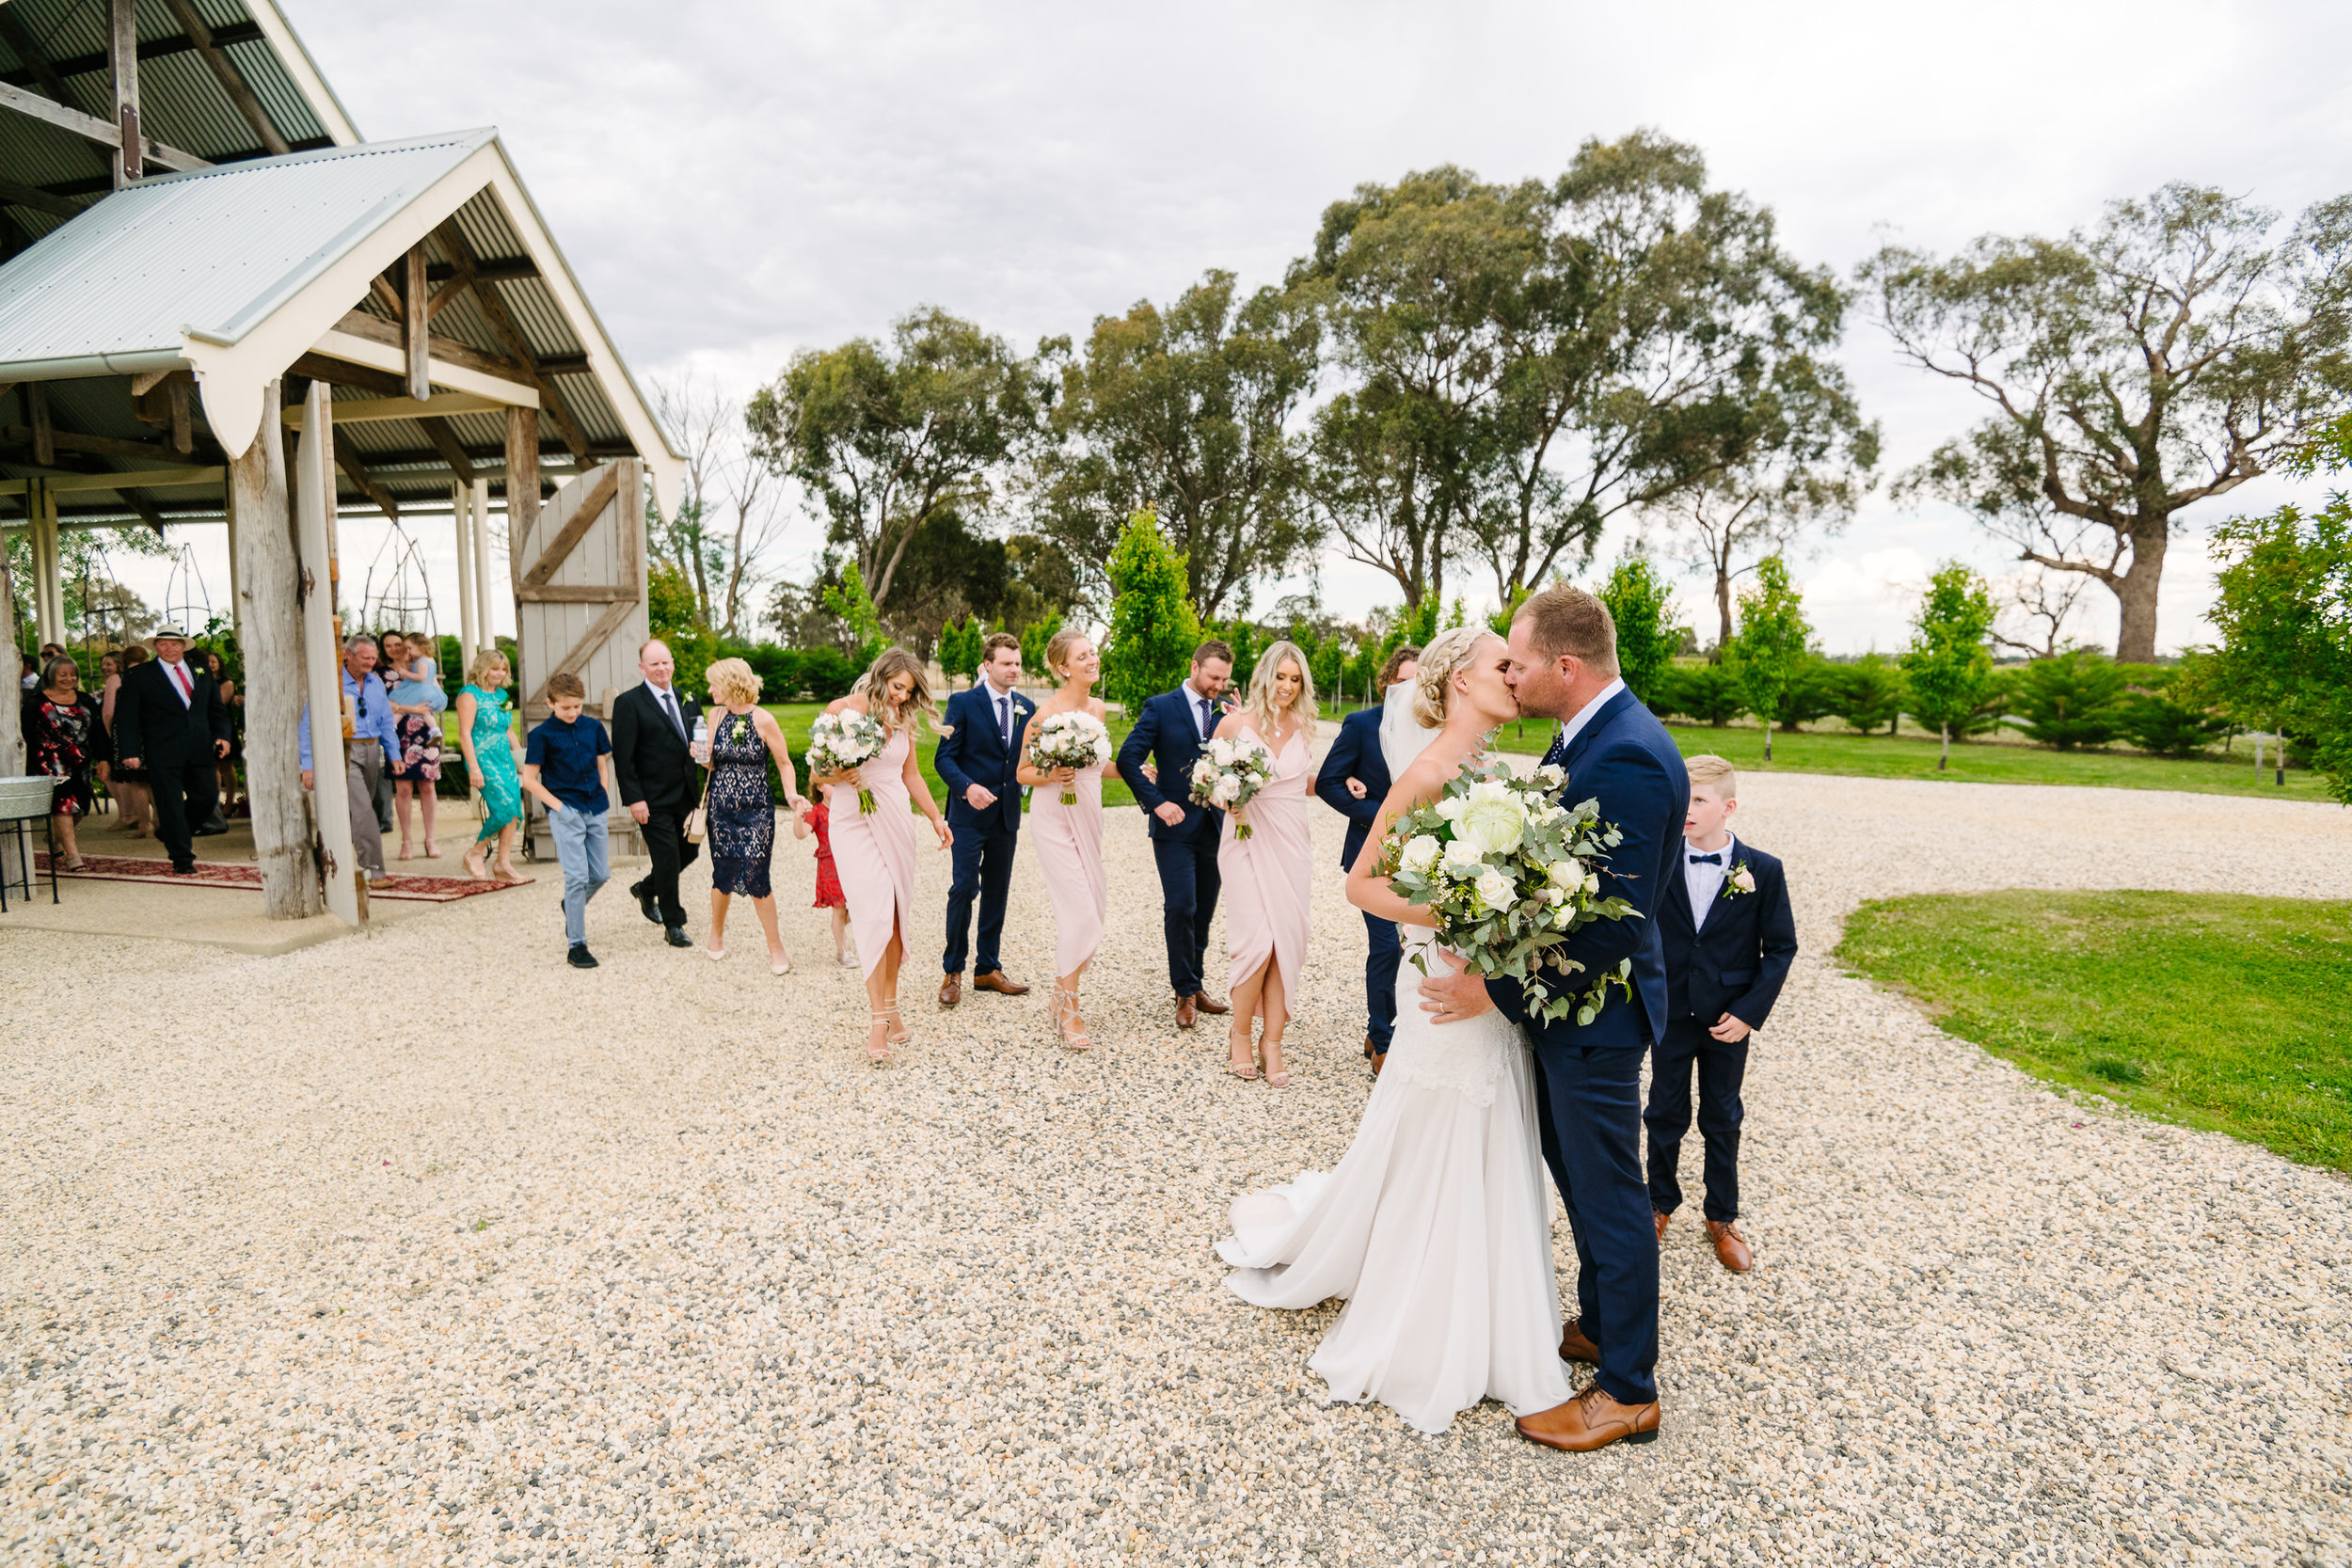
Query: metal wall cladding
[215, 250]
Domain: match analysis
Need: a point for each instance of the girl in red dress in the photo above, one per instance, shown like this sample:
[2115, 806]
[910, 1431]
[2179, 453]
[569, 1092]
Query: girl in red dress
[815, 818]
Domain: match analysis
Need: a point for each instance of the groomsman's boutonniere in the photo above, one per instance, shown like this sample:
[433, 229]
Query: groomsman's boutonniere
[1740, 881]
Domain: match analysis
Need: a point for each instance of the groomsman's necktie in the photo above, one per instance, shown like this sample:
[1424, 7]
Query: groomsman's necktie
[1715, 859]
[1208, 723]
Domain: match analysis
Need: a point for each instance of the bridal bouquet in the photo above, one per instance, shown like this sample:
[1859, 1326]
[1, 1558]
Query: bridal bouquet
[844, 742]
[1511, 874]
[1230, 773]
[1068, 740]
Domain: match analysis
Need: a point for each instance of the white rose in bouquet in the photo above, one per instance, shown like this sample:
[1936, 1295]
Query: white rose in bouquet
[1565, 875]
[1423, 852]
[1497, 891]
[1223, 791]
[1463, 860]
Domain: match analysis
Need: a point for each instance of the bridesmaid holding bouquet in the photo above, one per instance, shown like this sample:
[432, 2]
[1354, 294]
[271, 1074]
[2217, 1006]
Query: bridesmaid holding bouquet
[1066, 818]
[1268, 874]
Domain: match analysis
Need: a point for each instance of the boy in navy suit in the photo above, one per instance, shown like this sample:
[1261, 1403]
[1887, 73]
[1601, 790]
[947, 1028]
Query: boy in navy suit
[1729, 938]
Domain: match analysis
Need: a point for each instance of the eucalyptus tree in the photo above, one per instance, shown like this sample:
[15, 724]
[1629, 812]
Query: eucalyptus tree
[887, 439]
[2163, 355]
[1186, 413]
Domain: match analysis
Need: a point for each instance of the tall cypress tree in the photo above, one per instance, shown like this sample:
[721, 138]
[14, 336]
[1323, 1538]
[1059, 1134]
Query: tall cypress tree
[1154, 629]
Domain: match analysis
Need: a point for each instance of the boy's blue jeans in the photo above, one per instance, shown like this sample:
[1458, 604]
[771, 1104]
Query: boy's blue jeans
[581, 847]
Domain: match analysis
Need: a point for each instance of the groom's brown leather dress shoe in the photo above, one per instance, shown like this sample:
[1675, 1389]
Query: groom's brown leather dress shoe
[1575, 1347]
[1591, 1420]
[1186, 1015]
[1208, 1004]
[952, 990]
[995, 980]
[1731, 1248]
[1661, 1217]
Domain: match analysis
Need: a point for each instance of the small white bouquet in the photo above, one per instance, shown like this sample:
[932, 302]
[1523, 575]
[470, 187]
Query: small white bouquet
[1511, 874]
[844, 742]
[1068, 740]
[1230, 773]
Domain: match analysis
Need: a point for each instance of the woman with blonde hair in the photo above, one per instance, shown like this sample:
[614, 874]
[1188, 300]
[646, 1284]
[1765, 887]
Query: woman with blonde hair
[1069, 838]
[875, 850]
[1268, 877]
[1436, 1228]
[485, 733]
[739, 810]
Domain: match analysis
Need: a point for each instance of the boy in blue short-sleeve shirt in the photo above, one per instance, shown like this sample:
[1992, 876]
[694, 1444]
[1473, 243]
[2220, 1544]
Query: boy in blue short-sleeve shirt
[565, 763]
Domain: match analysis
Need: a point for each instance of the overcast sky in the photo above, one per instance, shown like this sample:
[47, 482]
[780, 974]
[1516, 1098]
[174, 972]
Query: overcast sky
[734, 181]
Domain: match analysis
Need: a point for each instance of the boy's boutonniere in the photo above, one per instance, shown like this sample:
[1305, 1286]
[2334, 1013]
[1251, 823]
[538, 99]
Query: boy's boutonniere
[1740, 881]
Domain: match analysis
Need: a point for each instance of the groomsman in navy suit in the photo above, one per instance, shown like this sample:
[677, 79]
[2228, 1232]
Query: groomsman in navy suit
[1353, 782]
[1588, 1111]
[1170, 733]
[975, 758]
[1729, 939]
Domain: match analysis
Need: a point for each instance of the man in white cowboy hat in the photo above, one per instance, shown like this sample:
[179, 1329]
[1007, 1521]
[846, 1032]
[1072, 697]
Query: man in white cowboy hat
[170, 720]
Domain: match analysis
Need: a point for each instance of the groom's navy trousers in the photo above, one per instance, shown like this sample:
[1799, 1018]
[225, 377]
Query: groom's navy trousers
[1589, 1107]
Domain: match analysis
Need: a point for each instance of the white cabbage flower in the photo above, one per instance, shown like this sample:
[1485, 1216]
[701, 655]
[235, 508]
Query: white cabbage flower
[1497, 891]
[1492, 817]
[1463, 859]
[1421, 853]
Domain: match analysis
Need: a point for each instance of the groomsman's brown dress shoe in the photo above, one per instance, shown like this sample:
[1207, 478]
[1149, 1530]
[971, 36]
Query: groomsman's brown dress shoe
[1731, 1248]
[1575, 1347]
[994, 980]
[1661, 1217]
[952, 990]
[1185, 1013]
[1591, 1420]
[1208, 1004]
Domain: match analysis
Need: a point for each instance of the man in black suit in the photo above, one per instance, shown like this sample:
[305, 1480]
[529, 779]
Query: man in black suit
[653, 762]
[1170, 733]
[1729, 938]
[1353, 782]
[170, 720]
[975, 758]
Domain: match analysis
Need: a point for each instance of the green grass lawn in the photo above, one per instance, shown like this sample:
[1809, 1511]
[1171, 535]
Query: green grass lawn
[1905, 756]
[2209, 1010]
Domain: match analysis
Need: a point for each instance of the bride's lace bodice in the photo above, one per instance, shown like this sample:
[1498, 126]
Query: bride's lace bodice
[1468, 1057]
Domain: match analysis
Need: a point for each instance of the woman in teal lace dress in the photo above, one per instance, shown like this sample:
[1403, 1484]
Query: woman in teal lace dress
[485, 732]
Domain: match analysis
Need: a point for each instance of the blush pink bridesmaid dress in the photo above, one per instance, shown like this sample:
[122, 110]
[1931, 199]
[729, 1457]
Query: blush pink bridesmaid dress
[1268, 877]
[1068, 844]
[874, 851]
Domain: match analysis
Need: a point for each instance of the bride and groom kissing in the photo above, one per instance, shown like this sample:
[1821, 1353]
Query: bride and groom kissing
[1435, 1227]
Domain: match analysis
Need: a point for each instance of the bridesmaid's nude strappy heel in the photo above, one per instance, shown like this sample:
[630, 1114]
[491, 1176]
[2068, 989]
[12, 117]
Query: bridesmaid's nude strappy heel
[1066, 1009]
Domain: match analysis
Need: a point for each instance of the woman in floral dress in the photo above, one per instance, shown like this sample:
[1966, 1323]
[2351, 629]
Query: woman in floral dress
[738, 810]
[485, 732]
[417, 702]
[65, 737]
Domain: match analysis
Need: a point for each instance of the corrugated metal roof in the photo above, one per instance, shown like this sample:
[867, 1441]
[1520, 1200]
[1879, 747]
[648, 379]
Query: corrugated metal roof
[209, 252]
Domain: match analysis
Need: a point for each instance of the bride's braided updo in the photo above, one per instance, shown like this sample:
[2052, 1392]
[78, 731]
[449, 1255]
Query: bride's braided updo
[1433, 687]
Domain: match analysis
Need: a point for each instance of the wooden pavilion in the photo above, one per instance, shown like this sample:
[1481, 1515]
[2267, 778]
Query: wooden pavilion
[219, 304]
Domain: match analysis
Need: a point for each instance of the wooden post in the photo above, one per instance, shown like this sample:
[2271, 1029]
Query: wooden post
[461, 513]
[270, 584]
[483, 624]
[40, 508]
[522, 523]
[11, 716]
[321, 683]
[236, 606]
[414, 324]
[122, 56]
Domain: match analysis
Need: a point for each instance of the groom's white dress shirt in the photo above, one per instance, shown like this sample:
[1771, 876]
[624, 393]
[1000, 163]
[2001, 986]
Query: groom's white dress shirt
[1574, 726]
[1704, 881]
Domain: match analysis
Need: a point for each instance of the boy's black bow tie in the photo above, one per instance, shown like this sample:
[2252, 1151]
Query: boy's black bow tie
[1715, 859]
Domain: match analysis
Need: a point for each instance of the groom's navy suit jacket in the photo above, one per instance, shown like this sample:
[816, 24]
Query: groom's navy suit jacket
[1737, 962]
[1625, 759]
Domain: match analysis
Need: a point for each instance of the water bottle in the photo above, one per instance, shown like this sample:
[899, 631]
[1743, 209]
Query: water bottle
[702, 740]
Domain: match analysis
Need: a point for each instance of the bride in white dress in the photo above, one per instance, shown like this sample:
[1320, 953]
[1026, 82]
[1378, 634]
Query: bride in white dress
[1435, 1230]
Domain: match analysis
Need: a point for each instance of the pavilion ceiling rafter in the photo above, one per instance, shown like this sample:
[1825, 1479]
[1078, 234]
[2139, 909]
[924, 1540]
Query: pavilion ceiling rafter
[494, 311]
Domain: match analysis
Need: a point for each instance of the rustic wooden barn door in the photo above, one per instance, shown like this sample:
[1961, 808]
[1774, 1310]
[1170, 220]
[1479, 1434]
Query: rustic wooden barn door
[580, 596]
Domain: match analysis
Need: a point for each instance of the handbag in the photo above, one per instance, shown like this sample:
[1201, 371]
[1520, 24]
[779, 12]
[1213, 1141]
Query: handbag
[698, 820]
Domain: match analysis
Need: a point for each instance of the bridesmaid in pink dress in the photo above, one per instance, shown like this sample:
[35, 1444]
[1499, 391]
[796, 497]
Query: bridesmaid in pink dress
[1069, 839]
[874, 851]
[1268, 877]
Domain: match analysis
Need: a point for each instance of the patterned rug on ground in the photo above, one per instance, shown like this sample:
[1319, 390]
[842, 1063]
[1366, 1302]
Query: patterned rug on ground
[119, 868]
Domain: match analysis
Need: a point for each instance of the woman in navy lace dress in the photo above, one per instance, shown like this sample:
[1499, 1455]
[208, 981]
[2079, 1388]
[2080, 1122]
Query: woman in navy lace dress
[739, 812]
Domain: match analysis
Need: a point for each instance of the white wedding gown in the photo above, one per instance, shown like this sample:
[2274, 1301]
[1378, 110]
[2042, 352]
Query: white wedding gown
[1435, 1230]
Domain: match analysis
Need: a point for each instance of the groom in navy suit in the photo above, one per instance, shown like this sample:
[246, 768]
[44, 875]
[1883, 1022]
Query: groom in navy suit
[1156, 761]
[1564, 666]
[977, 756]
[1354, 782]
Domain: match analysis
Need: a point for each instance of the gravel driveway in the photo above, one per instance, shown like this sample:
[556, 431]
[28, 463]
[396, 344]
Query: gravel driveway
[422, 1248]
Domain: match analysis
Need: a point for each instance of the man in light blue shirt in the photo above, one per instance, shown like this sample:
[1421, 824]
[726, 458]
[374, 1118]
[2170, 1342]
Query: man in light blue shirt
[374, 741]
